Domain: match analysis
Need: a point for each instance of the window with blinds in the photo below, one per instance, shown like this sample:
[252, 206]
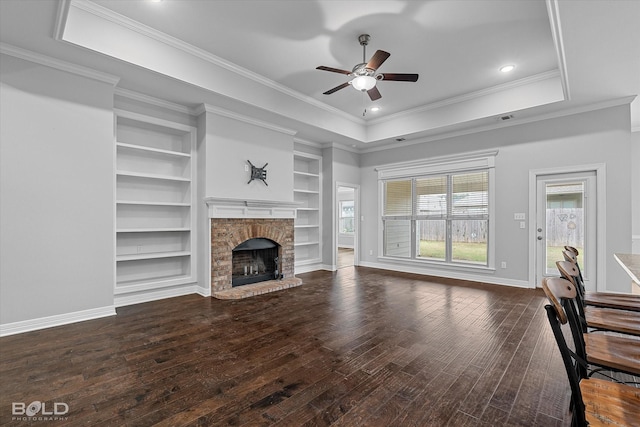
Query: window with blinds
[443, 217]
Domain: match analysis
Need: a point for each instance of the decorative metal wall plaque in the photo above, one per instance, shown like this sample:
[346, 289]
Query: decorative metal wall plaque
[258, 173]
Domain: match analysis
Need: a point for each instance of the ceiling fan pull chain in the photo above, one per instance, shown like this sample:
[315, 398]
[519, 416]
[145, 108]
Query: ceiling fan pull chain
[364, 106]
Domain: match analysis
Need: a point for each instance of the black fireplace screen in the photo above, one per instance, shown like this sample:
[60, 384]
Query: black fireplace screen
[255, 260]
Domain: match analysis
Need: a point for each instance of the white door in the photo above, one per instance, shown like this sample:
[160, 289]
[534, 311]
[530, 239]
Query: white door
[566, 215]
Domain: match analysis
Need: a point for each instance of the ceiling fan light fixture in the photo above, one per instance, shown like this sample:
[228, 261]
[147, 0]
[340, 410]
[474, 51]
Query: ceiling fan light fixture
[363, 83]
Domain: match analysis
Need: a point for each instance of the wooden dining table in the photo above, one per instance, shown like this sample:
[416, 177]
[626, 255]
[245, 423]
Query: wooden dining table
[631, 264]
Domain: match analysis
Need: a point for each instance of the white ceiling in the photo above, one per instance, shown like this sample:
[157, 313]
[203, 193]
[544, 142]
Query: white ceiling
[258, 57]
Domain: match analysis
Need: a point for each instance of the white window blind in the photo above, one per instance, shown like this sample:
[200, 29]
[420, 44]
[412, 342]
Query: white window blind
[398, 199]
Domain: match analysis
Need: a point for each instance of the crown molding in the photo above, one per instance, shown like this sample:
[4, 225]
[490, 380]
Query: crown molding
[344, 147]
[469, 96]
[176, 43]
[299, 140]
[202, 108]
[61, 19]
[47, 61]
[556, 33]
[136, 96]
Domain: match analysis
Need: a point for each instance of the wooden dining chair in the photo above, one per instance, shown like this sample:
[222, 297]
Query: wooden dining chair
[602, 299]
[620, 353]
[595, 402]
[599, 318]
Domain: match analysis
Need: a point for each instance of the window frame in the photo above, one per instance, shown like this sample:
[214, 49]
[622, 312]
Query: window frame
[448, 165]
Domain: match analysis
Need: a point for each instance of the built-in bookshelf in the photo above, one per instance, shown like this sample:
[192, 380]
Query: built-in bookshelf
[155, 195]
[307, 192]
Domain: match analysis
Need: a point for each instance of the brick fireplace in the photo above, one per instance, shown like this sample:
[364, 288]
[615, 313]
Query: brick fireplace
[234, 222]
[227, 233]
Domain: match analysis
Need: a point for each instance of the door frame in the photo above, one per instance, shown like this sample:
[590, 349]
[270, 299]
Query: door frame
[356, 223]
[601, 202]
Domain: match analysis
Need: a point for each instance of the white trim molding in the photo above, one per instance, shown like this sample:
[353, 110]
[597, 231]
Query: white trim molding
[462, 162]
[600, 170]
[56, 320]
[47, 61]
[450, 274]
[556, 32]
[238, 208]
[158, 294]
[202, 108]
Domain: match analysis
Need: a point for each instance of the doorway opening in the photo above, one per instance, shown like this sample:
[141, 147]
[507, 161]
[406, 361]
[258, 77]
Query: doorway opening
[346, 225]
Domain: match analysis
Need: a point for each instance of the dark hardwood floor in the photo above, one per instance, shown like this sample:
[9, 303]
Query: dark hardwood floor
[359, 347]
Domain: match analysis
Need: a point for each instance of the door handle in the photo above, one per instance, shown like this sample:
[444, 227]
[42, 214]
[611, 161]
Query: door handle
[539, 237]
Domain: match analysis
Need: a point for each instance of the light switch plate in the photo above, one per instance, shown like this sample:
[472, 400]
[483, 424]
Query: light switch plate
[519, 216]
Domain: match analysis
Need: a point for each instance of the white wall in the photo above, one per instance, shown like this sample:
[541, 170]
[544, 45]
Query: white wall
[594, 137]
[339, 166]
[635, 190]
[230, 143]
[56, 193]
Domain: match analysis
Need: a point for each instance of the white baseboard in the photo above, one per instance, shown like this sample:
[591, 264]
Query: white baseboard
[449, 274]
[57, 320]
[205, 292]
[154, 295]
[300, 269]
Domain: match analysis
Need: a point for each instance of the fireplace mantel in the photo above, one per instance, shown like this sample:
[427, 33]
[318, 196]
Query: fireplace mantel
[239, 208]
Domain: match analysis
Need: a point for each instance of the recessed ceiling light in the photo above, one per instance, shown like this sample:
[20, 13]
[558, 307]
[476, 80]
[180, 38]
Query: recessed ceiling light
[374, 109]
[507, 68]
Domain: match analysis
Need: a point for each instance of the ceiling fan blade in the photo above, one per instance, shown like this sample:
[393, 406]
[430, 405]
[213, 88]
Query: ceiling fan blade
[377, 59]
[337, 88]
[400, 77]
[333, 70]
[374, 93]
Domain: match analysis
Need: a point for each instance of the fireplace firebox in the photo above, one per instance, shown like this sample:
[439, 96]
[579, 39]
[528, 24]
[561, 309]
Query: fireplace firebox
[255, 260]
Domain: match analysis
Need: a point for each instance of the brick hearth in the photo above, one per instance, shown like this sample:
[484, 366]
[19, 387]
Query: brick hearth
[227, 233]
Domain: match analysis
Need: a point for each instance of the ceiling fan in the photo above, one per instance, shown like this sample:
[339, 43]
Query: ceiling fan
[364, 74]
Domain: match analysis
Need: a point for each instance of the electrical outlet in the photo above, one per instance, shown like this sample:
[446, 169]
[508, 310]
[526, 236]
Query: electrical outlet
[139, 248]
[246, 168]
[522, 224]
[370, 251]
[503, 264]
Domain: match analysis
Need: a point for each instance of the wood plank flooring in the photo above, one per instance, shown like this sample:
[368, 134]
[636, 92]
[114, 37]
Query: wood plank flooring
[358, 347]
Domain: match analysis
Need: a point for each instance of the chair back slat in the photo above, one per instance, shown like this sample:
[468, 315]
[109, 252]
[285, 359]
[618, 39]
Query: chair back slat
[555, 289]
[572, 256]
[571, 249]
[562, 295]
